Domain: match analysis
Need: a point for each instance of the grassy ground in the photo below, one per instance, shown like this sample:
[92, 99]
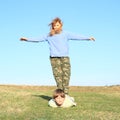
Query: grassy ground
[31, 103]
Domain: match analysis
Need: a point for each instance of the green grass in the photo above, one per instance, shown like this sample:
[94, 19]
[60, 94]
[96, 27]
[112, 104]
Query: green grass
[31, 103]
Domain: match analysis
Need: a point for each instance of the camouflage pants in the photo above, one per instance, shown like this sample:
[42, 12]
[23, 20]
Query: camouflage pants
[61, 71]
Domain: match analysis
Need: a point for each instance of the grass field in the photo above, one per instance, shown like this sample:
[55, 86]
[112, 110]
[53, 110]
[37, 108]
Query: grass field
[31, 103]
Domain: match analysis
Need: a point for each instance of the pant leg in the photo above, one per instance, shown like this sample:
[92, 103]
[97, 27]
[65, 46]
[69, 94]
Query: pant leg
[57, 71]
[66, 69]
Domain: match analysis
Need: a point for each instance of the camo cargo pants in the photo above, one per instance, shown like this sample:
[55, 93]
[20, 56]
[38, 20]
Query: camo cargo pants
[61, 71]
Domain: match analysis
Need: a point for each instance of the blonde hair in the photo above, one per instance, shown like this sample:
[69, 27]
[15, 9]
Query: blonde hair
[54, 21]
[58, 92]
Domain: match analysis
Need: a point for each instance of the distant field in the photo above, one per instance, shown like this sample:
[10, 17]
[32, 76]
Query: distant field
[31, 103]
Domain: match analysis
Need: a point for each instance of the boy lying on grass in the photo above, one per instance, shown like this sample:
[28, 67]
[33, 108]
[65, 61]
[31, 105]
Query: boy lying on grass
[60, 99]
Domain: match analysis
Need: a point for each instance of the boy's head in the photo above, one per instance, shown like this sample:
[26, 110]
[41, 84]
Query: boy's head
[59, 96]
[56, 26]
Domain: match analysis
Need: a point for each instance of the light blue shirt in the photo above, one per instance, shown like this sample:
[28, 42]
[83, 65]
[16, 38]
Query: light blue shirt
[58, 43]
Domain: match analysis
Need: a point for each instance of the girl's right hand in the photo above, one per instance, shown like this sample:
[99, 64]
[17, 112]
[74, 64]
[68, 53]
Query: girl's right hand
[23, 39]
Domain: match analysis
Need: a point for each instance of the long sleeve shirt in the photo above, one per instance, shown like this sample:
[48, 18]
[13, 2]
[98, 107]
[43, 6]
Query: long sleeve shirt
[58, 43]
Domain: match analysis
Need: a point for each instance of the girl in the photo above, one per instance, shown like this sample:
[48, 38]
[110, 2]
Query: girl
[58, 44]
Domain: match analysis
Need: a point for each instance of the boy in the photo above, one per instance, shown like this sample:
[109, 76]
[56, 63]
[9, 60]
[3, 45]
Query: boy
[60, 99]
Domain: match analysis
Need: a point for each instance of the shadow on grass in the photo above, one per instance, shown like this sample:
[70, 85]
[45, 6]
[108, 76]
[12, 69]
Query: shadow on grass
[44, 97]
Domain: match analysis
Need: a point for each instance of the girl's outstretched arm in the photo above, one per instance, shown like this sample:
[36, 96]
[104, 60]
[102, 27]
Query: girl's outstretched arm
[39, 39]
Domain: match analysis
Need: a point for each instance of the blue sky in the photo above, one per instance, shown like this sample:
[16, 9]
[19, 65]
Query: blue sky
[93, 63]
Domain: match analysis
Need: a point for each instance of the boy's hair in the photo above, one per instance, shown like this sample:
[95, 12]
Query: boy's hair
[58, 92]
[54, 21]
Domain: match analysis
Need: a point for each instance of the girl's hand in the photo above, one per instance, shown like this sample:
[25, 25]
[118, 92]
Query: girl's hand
[92, 38]
[23, 39]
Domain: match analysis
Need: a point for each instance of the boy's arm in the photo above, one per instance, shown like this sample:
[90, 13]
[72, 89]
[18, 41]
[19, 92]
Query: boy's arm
[52, 103]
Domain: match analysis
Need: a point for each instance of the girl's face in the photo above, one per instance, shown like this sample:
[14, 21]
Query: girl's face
[57, 26]
[59, 100]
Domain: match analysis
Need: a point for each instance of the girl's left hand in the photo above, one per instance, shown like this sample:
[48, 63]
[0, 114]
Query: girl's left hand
[92, 38]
